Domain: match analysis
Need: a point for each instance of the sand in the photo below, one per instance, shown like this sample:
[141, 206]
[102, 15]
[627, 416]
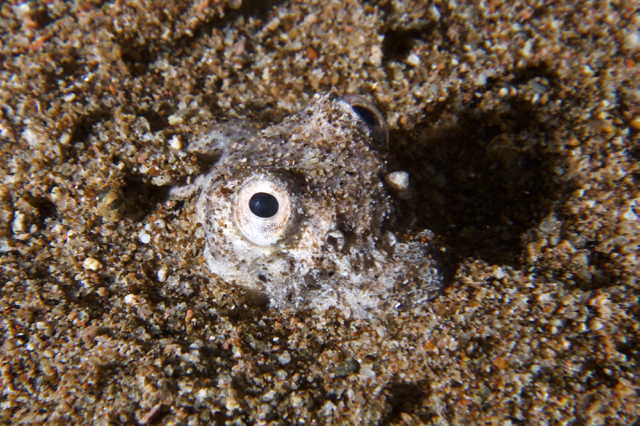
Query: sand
[520, 127]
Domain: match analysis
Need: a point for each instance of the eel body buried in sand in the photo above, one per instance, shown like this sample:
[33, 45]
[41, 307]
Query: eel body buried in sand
[305, 211]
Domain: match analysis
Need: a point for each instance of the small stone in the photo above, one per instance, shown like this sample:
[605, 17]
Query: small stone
[64, 139]
[595, 325]
[162, 274]
[131, 300]
[273, 24]
[435, 12]
[144, 237]
[632, 41]
[161, 180]
[407, 419]
[630, 215]
[312, 54]
[413, 60]
[376, 55]
[175, 119]
[269, 396]
[232, 404]
[151, 414]
[89, 334]
[284, 358]
[91, 264]
[20, 223]
[175, 142]
[347, 367]
[111, 204]
[398, 181]
[5, 247]
[56, 194]
[389, 239]
[501, 363]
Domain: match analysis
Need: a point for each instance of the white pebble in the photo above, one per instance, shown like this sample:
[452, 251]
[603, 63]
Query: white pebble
[630, 215]
[633, 40]
[269, 396]
[91, 264]
[232, 404]
[175, 119]
[435, 12]
[398, 180]
[284, 358]
[595, 325]
[131, 300]
[413, 60]
[19, 224]
[33, 138]
[56, 194]
[175, 142]
[162, 274]
[376, 55]
[161, 180]
[4, 246]
[144, 237]
[64, 139]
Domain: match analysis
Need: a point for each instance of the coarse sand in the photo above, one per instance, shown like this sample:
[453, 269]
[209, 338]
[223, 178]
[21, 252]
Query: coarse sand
[518, 122]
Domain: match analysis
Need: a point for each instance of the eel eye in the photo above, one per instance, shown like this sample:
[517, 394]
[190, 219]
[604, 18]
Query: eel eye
[265, 209]
[372, 117]
[263, 205]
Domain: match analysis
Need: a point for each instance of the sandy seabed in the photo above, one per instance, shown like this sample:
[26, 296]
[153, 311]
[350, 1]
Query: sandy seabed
[518, 122]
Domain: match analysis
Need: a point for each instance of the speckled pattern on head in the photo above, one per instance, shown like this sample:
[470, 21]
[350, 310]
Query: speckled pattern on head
[331, 243]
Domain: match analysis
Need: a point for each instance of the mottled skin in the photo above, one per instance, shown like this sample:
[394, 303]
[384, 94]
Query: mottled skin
[338, 248]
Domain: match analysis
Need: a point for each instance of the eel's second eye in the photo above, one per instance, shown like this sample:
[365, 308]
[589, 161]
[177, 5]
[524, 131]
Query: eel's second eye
[265, 209]
[366, 114]
[373, 118]
[263, 205]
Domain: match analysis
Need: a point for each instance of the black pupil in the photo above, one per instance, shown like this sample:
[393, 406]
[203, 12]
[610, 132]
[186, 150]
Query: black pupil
[263, 205]
[368, 116]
